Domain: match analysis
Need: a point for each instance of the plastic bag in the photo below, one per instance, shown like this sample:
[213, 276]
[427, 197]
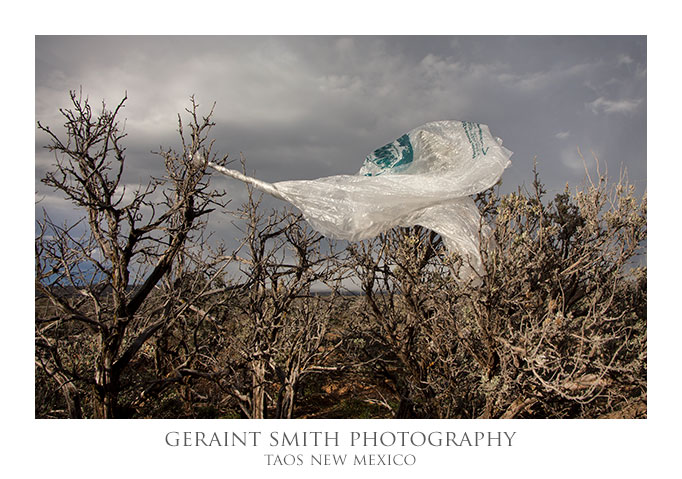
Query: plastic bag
[425, 178]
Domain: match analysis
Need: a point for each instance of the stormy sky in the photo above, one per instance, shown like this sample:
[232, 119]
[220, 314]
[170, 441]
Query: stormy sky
[301, 107]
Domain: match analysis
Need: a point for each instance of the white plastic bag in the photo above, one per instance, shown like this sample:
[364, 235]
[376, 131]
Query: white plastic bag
[425, 178]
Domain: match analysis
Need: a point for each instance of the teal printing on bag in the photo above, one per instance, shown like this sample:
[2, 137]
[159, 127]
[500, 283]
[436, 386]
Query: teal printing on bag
[474, 134]
[395, 156]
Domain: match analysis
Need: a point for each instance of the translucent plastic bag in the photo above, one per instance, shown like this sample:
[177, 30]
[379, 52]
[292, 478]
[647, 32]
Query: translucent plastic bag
[425, 178]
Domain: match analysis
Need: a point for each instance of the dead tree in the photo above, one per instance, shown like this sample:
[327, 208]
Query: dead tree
[395, 272]
[98, 277]
[282, 321]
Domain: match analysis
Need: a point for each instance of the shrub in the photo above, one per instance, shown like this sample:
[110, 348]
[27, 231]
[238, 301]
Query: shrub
[554, 326]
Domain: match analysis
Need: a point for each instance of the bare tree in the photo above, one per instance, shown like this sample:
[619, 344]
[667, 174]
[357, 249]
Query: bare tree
[282, 322]
[101, 281]
[395, 271]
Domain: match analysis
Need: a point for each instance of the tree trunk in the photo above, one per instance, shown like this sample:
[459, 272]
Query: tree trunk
[287, 397]
[104, 403]
[71, 393]
[405, 409]
[258, 406]
[73, 400]
[106, 388]
[406, 405]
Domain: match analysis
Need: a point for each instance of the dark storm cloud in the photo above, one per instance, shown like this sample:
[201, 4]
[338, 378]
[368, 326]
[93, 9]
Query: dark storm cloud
[305, 107]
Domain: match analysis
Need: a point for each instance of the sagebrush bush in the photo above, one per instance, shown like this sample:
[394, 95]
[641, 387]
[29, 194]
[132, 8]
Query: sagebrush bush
[554, 326]
[138, 317]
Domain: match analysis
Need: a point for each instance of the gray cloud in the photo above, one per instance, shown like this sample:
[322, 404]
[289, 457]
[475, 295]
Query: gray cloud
[306, 107]
[625, 105]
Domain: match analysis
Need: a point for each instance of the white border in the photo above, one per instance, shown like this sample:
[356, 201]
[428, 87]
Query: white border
[76, 449]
